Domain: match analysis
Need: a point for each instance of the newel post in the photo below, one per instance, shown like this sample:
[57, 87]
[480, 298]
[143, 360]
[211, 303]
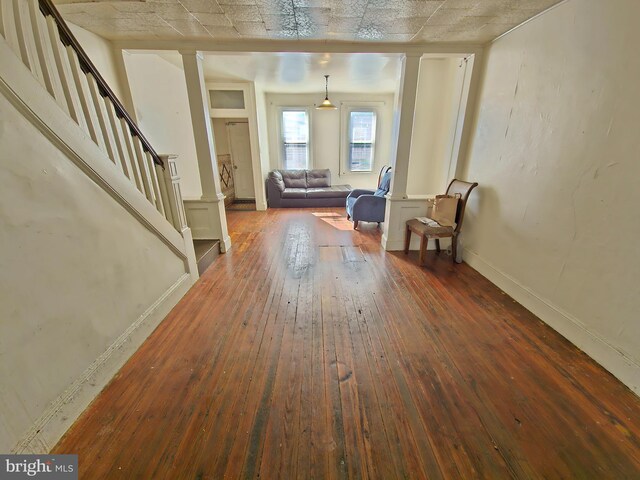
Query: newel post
[171, 193]
[169, 181]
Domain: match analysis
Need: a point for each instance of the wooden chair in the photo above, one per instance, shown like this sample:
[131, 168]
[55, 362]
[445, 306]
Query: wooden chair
[426, 232]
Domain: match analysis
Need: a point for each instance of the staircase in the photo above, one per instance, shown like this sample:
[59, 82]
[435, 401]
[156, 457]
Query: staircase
[36, 33]
[58, 357]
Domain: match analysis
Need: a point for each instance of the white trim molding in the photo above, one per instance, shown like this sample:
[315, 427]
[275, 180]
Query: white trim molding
[308, 46]
[248, 112]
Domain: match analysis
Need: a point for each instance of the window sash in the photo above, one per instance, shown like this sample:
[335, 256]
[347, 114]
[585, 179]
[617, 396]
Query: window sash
[294, 150]
[361, 154]
[295, 155]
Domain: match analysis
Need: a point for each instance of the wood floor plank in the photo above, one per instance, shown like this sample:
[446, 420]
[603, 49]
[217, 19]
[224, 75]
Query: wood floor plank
[505, 368]
[306, 351]
[381, 461]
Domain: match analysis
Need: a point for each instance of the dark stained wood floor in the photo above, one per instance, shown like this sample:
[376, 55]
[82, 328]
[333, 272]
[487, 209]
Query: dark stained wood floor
[308, 352]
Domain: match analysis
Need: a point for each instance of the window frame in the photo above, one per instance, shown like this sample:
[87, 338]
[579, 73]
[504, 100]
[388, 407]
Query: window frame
[345, 131]
[281, 143]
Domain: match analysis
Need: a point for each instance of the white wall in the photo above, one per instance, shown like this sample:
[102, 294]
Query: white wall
[557, 154]
[326, 135]
[159, 94]
[76, 271]
[437, 101]
[102, 55]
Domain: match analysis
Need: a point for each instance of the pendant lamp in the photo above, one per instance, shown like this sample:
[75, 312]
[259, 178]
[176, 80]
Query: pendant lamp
[326, 103]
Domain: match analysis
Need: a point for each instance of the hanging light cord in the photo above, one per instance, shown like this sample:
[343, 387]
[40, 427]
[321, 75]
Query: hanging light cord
[326, 87]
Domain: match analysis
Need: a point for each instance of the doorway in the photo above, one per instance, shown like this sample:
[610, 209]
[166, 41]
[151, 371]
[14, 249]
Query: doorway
[233, 150]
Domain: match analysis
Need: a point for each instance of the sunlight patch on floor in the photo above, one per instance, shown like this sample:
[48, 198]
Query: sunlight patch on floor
[336, 220]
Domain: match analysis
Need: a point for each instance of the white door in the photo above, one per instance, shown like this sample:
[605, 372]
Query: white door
[241, 158]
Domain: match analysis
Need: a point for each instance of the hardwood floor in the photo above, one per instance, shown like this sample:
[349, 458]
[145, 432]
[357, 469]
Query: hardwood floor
[308, 352]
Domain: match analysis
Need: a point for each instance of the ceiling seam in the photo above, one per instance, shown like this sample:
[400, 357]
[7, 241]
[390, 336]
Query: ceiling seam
[194, 17]
[425, 23]
[227, 17]
[366, 8]
[295, 19]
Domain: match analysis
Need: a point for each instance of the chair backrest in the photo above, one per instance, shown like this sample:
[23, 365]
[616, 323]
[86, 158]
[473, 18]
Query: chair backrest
[383, 170]
[464, 189]
[384, 185]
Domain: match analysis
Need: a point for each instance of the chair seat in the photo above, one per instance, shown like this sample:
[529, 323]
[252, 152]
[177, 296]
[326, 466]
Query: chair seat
[437, 232]
[420, 228]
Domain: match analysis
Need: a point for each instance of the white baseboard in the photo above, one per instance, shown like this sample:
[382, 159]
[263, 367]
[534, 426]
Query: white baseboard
[62, 412]
[622, 365]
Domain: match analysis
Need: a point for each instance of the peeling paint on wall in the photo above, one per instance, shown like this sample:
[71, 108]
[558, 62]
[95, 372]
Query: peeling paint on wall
[557, 154]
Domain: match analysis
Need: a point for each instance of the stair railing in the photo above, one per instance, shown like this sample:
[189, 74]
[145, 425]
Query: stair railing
[40, 38]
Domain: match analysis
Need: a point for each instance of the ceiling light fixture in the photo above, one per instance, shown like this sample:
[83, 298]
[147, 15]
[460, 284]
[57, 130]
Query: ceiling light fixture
[326, 103]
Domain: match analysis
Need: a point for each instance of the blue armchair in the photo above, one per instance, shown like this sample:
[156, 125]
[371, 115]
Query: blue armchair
[368, 205]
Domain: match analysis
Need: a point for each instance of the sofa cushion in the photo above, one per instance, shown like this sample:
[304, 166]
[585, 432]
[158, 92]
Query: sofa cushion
[336, 191]
[294, 178]
[318, 178]
[275, 177]
[294, 193]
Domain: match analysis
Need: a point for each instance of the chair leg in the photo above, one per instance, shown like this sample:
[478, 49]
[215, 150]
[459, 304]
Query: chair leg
[424, 243]
[438, 245]
[355, 224]
[454, 248]
[407, 240]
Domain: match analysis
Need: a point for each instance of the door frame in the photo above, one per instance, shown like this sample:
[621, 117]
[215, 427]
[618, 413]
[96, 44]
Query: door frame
[248, 113]
[227, 124]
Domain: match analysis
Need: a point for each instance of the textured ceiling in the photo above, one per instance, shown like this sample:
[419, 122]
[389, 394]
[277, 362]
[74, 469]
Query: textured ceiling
[415, 21]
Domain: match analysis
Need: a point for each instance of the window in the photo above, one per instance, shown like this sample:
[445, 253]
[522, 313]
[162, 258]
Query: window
[362, 135]
[227, 99]
[295, 139]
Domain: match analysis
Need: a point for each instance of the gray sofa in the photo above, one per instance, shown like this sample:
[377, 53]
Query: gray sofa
[304, 188]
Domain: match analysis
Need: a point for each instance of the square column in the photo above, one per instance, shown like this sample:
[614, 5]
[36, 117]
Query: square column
[212, 201]
[405, 107]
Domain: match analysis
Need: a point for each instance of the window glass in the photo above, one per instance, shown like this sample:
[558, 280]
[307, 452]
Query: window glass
[295, 139]
[362, 132]
[227, 99]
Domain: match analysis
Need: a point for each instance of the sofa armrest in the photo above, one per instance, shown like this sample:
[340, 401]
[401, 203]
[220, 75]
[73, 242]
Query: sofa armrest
[274, 195]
